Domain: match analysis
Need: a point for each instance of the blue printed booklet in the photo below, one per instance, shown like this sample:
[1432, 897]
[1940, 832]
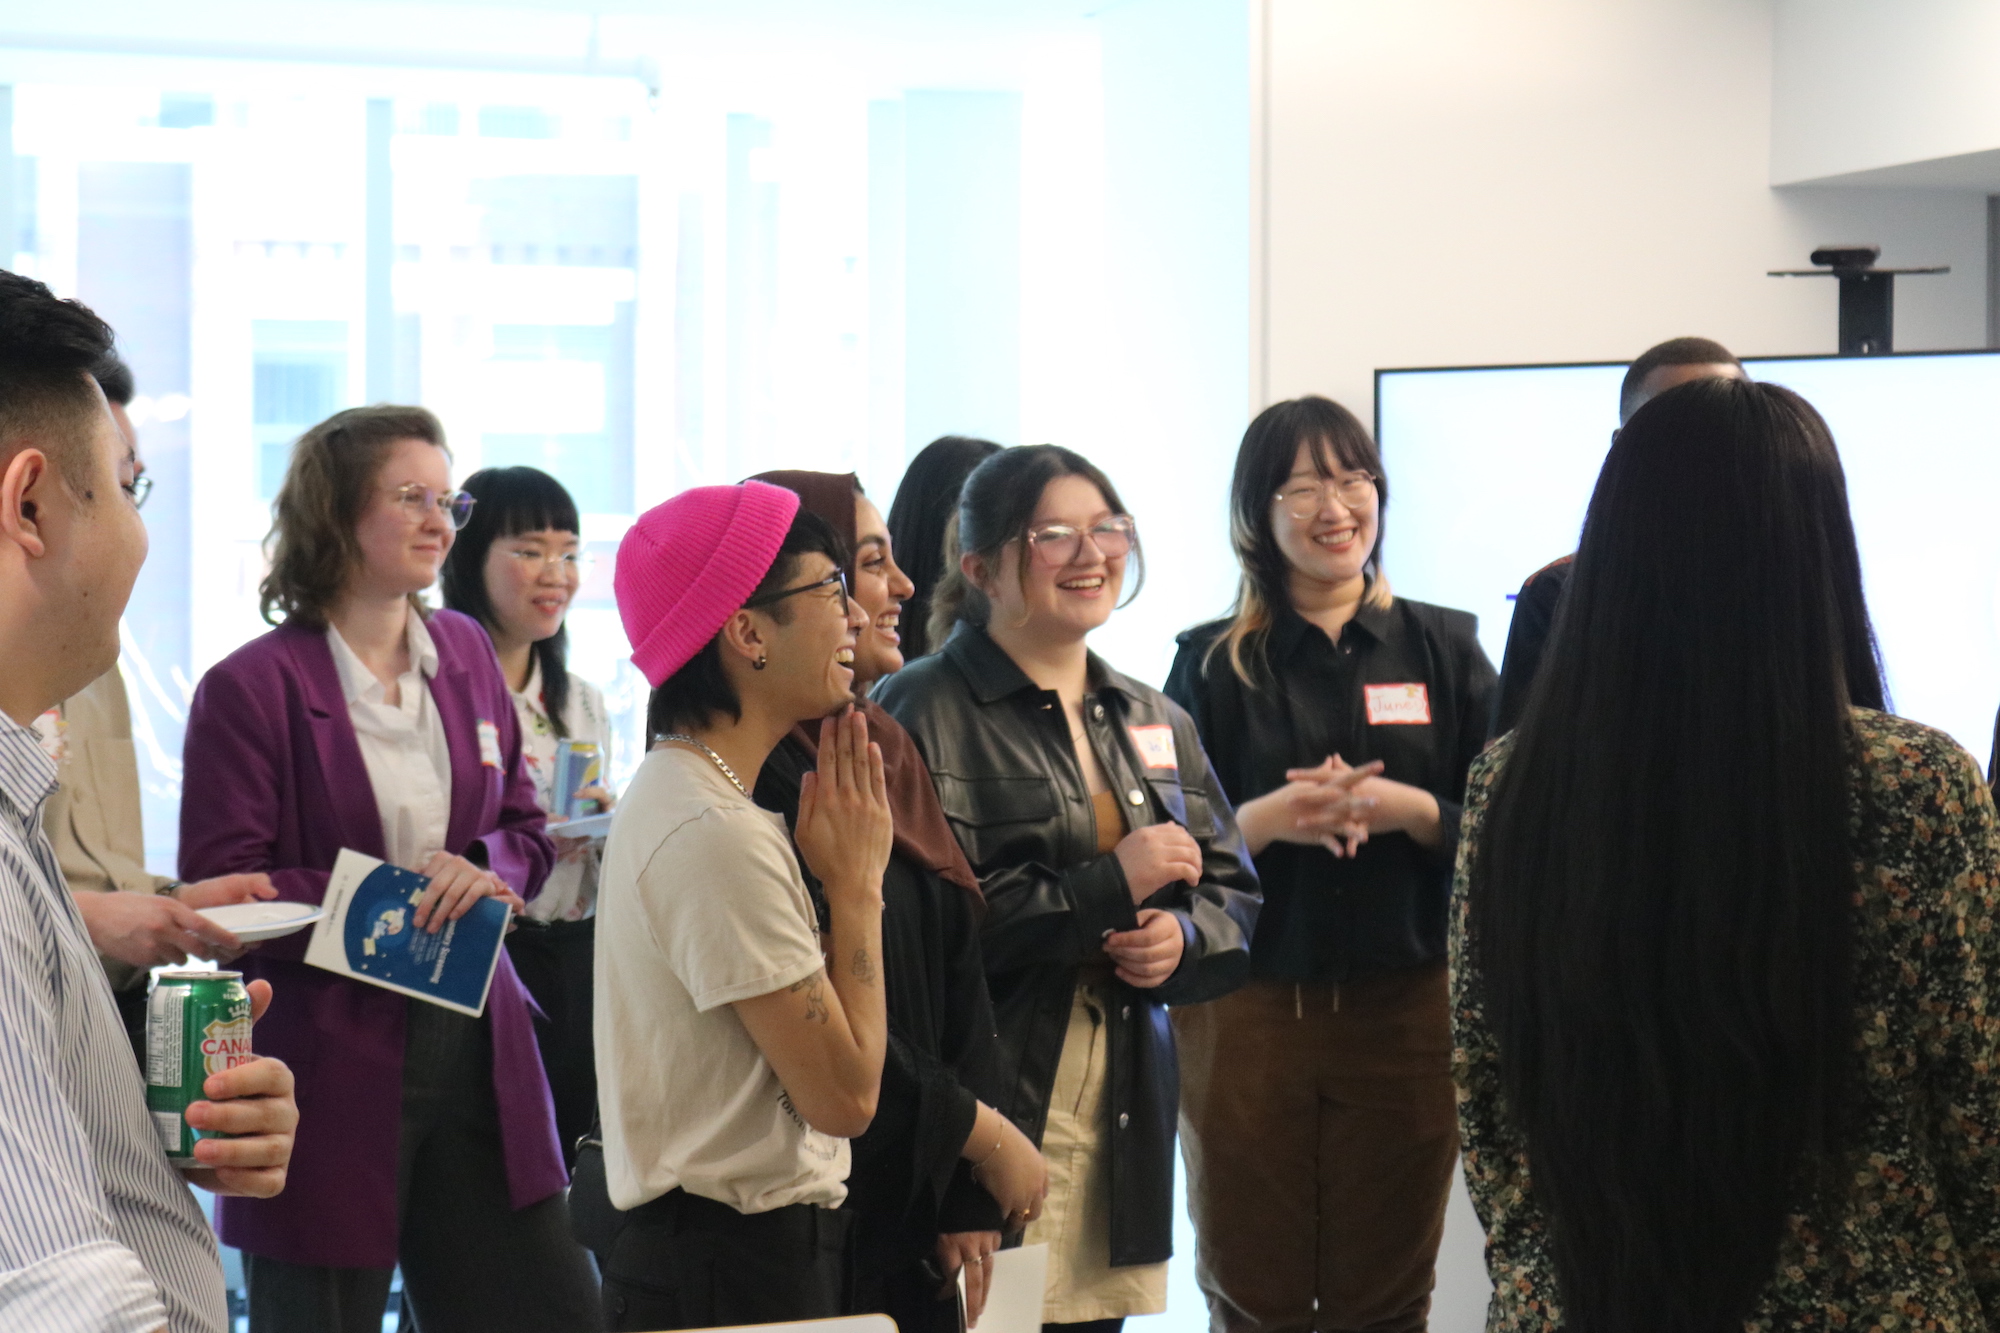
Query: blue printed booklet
[368, 931]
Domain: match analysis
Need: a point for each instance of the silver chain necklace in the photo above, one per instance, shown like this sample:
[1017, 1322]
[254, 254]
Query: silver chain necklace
[713, 758]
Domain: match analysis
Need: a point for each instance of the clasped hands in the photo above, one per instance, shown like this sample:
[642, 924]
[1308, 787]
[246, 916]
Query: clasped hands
[1332, 804]
[1337, 805]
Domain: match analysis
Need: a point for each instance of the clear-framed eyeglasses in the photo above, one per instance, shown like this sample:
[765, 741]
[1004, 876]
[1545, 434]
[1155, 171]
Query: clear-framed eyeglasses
[138, 489]
[1059, 544]
[456, 506]
[534, 561]
[1304, 499]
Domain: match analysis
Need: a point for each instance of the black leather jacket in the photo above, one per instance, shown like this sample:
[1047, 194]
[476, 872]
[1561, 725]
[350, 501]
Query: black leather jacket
[999, 751]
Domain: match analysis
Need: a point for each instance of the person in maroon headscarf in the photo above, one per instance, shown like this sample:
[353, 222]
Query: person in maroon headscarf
[940, 1174]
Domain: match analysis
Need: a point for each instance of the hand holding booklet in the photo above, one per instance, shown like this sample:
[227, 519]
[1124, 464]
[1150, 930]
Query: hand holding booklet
[368, 931]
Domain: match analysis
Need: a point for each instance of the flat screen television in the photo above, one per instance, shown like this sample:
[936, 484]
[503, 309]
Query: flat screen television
[1491, 467]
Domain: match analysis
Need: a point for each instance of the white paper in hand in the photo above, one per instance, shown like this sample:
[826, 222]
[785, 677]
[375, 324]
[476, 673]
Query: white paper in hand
[1015, 1285]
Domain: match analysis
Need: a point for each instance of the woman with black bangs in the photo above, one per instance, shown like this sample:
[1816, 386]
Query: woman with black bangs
[1341, 720]
[1724, 932]
[515, 568]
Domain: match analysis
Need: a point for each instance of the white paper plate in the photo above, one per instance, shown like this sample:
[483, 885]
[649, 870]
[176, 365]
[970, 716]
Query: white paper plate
[251, 922]
[583, 826]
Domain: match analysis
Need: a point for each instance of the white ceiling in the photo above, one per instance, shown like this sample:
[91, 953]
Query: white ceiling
[966, 43]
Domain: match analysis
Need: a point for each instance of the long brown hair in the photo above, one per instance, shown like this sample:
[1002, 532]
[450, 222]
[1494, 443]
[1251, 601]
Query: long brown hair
[1332, 435]
[311, 545]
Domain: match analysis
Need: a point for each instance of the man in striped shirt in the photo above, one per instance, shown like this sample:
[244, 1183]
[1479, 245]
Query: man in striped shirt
[97, 1231]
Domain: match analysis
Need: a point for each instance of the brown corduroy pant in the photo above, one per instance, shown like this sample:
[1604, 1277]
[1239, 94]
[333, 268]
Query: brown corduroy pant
[1320, 1132]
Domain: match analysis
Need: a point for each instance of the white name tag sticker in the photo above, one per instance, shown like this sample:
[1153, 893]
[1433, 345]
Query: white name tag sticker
[1155, 746]
[489, 744]
[1398, 705]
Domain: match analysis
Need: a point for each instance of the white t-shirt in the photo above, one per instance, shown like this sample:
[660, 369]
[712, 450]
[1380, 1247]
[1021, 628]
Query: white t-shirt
[701, 905]
[403, 746]
[570, 893]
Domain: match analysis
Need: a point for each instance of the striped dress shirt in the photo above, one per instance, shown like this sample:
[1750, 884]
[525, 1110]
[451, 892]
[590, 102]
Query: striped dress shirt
[97, 1231]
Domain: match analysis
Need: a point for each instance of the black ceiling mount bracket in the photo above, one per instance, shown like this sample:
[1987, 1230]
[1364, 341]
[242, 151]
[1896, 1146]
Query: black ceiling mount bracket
[1867, 294]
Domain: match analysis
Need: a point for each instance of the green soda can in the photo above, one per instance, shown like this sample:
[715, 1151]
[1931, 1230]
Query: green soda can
[197, 1024]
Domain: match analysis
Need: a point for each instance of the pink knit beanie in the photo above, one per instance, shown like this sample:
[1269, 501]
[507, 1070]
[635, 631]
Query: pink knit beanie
[687, 565]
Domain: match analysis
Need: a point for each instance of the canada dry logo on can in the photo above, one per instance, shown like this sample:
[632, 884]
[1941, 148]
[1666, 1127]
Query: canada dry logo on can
[197, 1024]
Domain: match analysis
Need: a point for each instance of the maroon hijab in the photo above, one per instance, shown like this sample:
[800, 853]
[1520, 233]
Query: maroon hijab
[922, 833]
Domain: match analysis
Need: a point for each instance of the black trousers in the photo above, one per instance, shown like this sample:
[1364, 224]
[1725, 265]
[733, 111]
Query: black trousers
[682, 1261]
[471, 1262]
[554, 961]
[909, 1296]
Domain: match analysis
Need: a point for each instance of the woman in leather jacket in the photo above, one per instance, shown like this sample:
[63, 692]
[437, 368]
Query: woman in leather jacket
[1115, 879]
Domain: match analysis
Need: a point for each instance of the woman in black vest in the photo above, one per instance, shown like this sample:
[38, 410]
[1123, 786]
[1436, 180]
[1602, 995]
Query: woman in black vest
[1341, 720]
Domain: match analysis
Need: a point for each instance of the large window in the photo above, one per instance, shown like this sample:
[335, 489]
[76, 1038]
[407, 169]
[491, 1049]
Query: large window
[711, 251]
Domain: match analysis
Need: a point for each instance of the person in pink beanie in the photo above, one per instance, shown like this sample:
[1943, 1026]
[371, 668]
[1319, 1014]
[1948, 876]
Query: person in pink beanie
[735, 1055]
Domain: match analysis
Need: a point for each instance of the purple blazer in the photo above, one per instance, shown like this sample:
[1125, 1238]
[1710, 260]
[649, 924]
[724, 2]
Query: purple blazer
[274, 781]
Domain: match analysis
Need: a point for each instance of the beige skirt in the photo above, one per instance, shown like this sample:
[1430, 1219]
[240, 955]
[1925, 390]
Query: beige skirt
[1076, 1220]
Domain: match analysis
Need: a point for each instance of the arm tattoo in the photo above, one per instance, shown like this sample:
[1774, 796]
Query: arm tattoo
[815, 988]
[864, 967]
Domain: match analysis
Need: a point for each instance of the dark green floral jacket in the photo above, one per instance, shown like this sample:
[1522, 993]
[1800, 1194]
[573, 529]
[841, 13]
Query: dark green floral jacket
[1916, 1244]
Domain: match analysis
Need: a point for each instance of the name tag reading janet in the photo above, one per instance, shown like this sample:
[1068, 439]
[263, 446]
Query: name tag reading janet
[1398, 705]
[1155, 746]
[489, 744]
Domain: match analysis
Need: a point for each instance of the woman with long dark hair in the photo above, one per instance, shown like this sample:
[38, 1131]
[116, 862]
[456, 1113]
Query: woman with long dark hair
[515, 567]
[1724, 928]
[925, 500]
[1341, 719]
[1115, 880]
[940, 1172]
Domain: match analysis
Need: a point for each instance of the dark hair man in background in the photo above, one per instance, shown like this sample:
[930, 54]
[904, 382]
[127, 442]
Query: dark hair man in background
[97, 1230]
[1658, 369]
[137, 920]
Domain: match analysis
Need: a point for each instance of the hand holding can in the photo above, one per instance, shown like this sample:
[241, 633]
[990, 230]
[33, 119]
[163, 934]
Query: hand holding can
[197, 1024]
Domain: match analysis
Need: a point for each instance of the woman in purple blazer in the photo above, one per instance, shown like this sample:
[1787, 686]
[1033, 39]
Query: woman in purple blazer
[427, 1137]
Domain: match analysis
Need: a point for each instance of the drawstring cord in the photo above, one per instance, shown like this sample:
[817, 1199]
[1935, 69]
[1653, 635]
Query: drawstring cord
[1299, 999]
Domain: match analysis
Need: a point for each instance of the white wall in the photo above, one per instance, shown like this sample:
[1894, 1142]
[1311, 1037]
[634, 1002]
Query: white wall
[1177, 235]
[1454, 182]
[1869, 85]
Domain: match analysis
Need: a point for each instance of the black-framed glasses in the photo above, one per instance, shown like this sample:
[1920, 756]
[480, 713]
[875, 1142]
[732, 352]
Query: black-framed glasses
[140, 487]
[839, 576]
[1059, 544]
[1303, 500]
[456, 506]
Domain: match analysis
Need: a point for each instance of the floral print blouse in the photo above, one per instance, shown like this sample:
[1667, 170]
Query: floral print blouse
[1916, 1243]
[571, 891]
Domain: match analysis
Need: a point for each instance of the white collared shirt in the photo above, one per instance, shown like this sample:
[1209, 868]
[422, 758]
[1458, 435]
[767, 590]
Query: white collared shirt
[403, 746]
[96, 1230]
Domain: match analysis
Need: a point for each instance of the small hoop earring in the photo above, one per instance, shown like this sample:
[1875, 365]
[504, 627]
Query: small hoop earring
[760, 663]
